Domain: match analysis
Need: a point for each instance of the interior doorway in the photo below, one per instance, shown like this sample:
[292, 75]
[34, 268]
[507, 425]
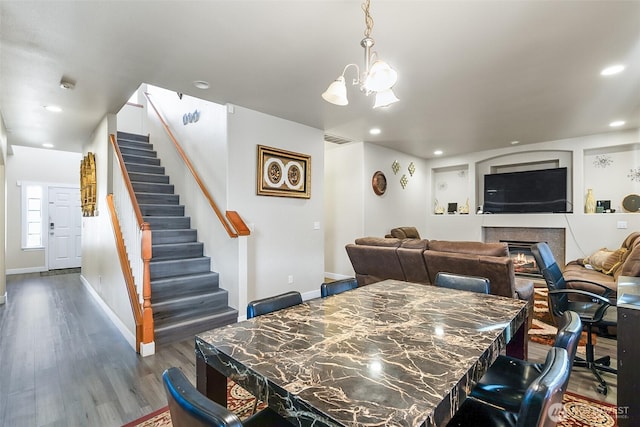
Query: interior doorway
[64, 228]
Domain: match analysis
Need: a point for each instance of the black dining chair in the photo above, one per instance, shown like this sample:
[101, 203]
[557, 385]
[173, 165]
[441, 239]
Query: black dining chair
[462, 282]
[274, 303]
[541, 405]
[338, 286]
[594, 310]
[190, 408]
[507, 379]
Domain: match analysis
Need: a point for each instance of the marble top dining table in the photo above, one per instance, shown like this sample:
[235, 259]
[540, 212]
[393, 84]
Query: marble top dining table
[387, 354]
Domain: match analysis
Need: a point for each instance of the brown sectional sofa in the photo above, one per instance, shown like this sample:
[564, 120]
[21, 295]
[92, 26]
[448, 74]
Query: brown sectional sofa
[628, 264]
[414, 260]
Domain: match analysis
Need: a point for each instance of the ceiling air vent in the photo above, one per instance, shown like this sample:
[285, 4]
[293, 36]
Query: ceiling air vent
[336, 139]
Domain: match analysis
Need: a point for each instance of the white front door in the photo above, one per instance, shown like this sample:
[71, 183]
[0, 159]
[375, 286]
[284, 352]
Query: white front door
[64, 227]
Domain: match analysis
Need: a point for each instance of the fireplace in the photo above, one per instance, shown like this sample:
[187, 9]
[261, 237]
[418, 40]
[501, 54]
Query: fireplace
[555, 238]
[523, 261]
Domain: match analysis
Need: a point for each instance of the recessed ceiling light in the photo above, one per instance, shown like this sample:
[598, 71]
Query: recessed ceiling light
[515, 142]
[47, 145]
[201, 84]
[617, 123]
[613, 69]
[375, 131]
[53, 108]
[438, 152]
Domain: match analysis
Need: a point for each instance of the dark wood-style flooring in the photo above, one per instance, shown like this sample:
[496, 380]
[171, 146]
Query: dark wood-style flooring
[63, 363]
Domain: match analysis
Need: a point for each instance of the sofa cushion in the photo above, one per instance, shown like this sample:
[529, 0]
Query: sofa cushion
[405, 233]
[379, 241]
[475, 248]
[420, 244]
[605, 260]
[631, 265]
[373, 264]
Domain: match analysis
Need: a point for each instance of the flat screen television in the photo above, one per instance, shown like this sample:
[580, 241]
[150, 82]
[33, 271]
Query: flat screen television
[533, 191]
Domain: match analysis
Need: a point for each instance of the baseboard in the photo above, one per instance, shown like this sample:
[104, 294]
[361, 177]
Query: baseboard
[26, 270]
[311, 294]
[3, 298]
[126, 333]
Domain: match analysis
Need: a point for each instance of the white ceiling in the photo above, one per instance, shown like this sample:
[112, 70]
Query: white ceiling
[473, 75]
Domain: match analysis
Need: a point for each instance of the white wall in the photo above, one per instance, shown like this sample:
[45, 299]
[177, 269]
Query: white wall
[3, 206]
[343, 204]
[283, 241]
[100, 264]
[34, 165]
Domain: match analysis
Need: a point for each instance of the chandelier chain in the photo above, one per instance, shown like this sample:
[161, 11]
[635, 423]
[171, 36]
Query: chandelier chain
[368, 19]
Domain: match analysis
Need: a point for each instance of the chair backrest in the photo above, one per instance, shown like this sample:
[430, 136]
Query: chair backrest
[190, 408]
[552, 275]
[569, 334]
[542, 402]
[274, 303]
[463, 283]
[338, 286]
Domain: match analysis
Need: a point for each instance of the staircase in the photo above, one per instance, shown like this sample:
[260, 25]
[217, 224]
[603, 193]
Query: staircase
[185, 296]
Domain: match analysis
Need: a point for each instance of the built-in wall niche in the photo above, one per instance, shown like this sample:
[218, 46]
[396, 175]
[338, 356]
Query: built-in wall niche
[526, 161]
[451, 186]
[612, 173]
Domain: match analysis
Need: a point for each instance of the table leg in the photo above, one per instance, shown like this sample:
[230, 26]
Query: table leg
[210, 382]
[518, 347]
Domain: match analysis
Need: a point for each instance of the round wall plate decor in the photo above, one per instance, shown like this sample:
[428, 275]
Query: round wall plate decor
[631, 203]
[379, 183]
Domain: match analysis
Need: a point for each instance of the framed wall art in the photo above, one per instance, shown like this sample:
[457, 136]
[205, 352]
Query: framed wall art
[283, 173]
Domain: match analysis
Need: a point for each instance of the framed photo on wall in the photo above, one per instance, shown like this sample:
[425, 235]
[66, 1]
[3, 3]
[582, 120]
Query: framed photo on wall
[283, 173]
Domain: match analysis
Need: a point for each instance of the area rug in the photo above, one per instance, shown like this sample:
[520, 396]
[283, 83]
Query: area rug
[578, 411]
[542, 328]
[239, 401]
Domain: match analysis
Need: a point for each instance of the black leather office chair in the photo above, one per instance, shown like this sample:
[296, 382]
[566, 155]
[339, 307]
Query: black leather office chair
[274, 303]
[463, 283]
[190, 408]
[541, 405]
[594, 310]
[338, 286]
[507, 380]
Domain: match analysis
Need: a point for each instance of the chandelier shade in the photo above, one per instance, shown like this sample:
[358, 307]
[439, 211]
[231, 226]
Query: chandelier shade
[385, 98]
[336, 93]
[381, 77]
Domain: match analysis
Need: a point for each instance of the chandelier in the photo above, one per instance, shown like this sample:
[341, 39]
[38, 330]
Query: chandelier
[377, 77]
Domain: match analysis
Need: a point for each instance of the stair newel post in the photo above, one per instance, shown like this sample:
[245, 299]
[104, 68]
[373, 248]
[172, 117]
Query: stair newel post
[147, 312]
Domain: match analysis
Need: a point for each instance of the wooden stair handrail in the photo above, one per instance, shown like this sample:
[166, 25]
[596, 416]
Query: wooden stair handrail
[125, 175]
[239, 227]
[140, 315]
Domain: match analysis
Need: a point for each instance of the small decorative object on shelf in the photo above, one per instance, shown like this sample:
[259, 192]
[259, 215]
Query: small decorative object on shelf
[631, 203]
[464, 209]
[404, 181]
[452, 208]
[438, 209]
[395, 167]
[411, 168]
[590, 202]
